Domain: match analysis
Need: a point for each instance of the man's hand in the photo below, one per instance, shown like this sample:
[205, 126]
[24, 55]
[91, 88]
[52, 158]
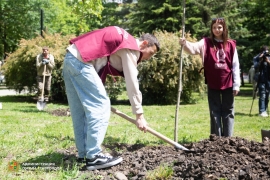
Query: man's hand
[45, 61]
[267, 60]
[141, 122]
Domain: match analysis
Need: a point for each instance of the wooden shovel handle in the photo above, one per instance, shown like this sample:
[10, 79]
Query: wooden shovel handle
[150, 130]
[43, 85]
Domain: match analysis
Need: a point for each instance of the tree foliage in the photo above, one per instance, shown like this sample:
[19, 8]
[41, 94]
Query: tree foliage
[112, 15]
[159, 77]
[87, 8]
[20, 67]
[257, 18]
[22, 19]
[59, 17]
[151, 15]
[88, 12]
[246, 19]
[18, 20]
[200, 12]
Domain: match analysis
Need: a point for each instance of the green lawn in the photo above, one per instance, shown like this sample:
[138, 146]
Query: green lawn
[31, 136]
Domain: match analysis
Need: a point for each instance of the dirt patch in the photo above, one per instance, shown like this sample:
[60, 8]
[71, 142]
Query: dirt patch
[60, 112]
[216, 158]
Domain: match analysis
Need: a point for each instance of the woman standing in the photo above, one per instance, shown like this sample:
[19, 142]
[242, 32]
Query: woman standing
[222, 75]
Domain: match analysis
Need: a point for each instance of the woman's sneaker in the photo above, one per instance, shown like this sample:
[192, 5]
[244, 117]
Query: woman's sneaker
[102, 161]
[263, 114]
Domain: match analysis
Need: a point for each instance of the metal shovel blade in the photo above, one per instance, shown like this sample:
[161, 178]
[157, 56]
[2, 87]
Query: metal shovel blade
[41, 105]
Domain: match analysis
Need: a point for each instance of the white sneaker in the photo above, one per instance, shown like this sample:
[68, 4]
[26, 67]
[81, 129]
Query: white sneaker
[263, 114]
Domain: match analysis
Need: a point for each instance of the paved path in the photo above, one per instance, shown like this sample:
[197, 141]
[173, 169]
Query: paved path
[6, 92]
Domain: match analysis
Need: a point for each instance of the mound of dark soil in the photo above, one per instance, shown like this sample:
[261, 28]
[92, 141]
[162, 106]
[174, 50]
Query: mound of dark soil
[60, 112]
[216, 158]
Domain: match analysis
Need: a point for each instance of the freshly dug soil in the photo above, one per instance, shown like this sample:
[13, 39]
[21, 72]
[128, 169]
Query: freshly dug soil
[215, 158]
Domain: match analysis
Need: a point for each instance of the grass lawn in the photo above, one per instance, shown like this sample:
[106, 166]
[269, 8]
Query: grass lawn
[31, 136]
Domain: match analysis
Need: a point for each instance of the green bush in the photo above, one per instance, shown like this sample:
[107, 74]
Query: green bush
[114, 86]
[159, 77]
[20, 67]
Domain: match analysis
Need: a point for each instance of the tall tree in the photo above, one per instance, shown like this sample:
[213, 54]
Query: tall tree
[150, 15]
[59, 17]
[200, 12]
[114, 14]
[258, 18]
[21, 19]
[73, 16]
[18, 19]
[88, 11]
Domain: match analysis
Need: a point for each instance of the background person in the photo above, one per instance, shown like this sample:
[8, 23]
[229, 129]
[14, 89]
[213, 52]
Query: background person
[42, 60]
[89, 58]
[222, 75]
[1, 76]
[262, 68]
[251, 74]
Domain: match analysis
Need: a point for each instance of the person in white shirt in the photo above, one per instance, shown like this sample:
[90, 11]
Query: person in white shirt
[89, 58]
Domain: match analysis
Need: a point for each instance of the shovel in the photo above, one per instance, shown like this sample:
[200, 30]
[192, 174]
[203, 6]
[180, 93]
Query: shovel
[152, 131]
[40, 103]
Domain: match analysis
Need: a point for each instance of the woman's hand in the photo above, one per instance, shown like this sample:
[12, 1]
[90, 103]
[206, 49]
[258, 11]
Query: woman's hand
[235, 92]
[182, 41]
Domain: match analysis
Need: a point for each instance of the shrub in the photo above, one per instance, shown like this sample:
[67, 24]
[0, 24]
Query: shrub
[20, 67]
[159, 77]
[114, 86]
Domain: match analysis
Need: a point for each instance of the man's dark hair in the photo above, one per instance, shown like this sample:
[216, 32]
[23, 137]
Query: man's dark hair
[264, 48]
[152, 40]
